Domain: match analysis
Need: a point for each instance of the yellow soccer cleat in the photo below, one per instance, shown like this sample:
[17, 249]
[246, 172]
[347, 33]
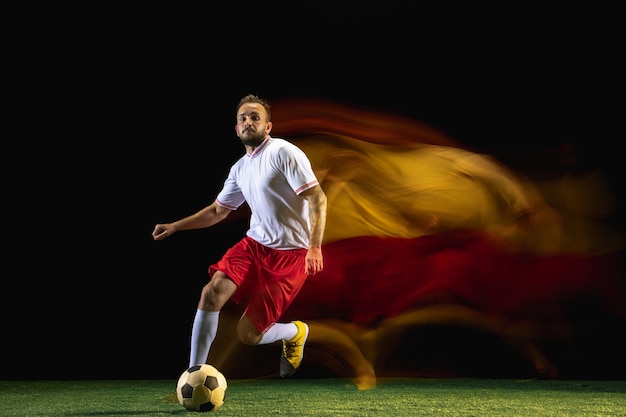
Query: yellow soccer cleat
[293, 350]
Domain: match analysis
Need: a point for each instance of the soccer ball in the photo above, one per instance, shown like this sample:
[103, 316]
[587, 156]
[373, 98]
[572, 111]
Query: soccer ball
[201, 388]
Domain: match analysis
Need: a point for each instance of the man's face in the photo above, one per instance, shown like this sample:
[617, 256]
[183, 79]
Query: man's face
[252, 126]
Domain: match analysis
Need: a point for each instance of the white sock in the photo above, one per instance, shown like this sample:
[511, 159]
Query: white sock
[279, 331]
[202, 335]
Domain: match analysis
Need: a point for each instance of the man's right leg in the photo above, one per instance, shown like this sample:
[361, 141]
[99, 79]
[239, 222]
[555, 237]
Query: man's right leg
[203, 333]
[213, 297]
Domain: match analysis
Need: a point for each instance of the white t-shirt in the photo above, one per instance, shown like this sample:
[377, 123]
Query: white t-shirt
[270, 180]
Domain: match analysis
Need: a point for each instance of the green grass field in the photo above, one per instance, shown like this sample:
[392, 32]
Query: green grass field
[334, 397]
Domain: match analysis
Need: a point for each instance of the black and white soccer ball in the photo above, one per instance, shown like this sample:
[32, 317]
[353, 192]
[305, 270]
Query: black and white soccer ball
[201, 388]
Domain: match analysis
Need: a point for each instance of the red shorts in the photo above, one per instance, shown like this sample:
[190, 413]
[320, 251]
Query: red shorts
[270, 279]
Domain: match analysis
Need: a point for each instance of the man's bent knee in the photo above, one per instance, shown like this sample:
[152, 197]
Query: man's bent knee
[248, 334]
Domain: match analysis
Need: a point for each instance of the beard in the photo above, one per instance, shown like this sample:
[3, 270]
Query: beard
[252, 138]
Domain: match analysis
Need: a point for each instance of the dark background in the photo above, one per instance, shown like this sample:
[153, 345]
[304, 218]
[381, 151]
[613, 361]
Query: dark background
[125, 118]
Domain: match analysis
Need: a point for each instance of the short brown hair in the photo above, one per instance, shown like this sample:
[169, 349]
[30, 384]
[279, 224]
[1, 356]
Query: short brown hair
[251, 98]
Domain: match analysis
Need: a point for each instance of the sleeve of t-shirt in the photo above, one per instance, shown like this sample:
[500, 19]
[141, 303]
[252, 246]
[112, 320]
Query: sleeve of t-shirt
[297, 169]
[230, 196]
